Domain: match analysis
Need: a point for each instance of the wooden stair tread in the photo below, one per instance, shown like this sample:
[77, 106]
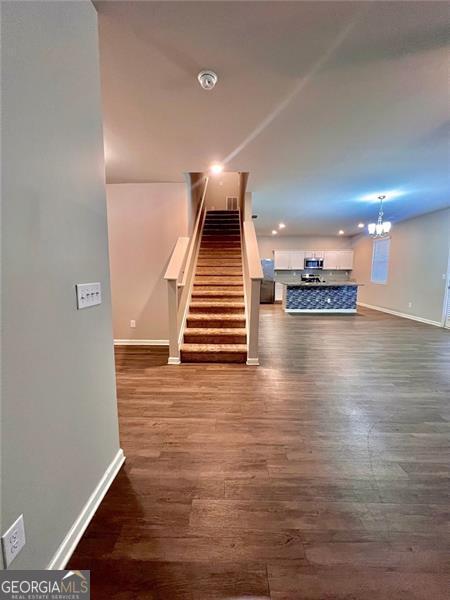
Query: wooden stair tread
[214, 347]
[218, 304]
[221, 289]
[201, 280]
[218, 271]
[215, 330]
[216, 317]
[217, 293]
[234, 254]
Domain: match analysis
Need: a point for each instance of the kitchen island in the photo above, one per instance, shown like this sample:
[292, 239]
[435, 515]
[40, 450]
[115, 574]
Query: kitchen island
[332, 297]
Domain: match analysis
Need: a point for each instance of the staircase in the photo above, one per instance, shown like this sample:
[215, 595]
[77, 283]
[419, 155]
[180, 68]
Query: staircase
[216, 328]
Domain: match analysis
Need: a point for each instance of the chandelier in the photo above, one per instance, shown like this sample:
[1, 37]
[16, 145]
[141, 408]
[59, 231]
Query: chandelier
[380, 228]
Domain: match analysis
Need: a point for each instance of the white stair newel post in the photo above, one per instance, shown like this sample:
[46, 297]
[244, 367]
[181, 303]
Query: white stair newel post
[174, 347]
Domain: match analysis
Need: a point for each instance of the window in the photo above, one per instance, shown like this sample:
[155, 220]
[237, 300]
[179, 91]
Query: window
[380, 260]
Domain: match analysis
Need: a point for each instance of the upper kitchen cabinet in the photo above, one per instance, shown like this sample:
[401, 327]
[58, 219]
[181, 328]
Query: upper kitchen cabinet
[338, 260]
[298, 259]
[345, 260]
[333, 260]
[289, 259]
[282, 259]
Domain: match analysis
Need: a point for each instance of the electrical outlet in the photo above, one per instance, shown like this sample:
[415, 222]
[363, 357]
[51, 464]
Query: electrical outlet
[88, 294]
[409, 304]
[13, 541]
[132, 323]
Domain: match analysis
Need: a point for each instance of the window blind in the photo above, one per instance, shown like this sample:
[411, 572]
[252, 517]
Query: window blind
[380, 260]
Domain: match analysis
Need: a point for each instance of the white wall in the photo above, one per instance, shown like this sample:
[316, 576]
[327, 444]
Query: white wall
[267, 244]
[144, 222]
[419, 253]
[59, 428]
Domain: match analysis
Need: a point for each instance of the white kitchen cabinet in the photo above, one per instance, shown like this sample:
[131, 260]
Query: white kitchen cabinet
[282, 259]
[338, 260]
[278, 292]
[331, 260]
[297, 259]
[345, 260]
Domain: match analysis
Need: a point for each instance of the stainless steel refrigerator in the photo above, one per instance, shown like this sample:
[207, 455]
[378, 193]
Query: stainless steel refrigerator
[268, 283]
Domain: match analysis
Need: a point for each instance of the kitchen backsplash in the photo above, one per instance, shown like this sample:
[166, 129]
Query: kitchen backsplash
[322, 273]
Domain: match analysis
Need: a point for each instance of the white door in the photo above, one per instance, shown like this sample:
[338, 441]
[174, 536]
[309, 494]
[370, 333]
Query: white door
[447, 314]
[297, 259]
[447, 308]
[447, 322]
[282, 259]
[232, 203]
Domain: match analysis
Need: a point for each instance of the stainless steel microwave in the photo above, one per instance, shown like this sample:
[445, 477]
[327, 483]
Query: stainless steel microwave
[313, 263]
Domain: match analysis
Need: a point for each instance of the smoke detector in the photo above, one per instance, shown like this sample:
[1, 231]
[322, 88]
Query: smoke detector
[207, 79]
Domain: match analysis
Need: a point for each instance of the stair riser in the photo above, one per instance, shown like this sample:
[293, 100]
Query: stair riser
[209, 254]
[235, 310]
[215, 339]
[219, 293]
[215, 323]
[213, 229]
[220, 272]
[220, 289]
[222, 228]
[222, 225]
[227, 234]
[233, 213]
[221, 246]
[213, 357]
[219, 242]
[217, 296]
[230, 280]
[219, 264]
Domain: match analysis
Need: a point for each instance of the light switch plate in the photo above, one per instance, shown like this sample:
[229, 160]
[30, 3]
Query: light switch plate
[88, 294]
[13, 541]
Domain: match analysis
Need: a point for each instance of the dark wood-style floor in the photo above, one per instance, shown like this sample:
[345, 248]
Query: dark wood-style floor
[322, 474]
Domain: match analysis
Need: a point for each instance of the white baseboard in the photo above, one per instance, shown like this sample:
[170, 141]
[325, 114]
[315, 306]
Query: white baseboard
[395, 313]
[253, 362]
[69, 543]
[174, 360]
[141, 342]
[331, 311]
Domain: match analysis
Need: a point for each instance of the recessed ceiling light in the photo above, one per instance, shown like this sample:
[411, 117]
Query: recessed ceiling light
[216, 168]
[360, 225]
[281, 226]
[207, 79]
[274, 232]
[341, 232]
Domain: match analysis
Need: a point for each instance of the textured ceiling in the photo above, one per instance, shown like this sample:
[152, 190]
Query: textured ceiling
[323, 103]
